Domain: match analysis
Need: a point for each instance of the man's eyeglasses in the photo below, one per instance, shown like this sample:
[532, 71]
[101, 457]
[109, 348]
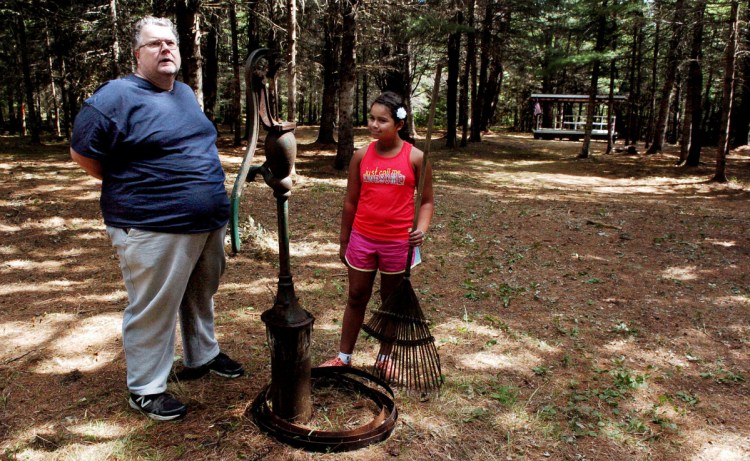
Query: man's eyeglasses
[156, 44]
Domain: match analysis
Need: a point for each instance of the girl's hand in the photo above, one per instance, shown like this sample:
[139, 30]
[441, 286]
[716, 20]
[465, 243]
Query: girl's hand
[416, 238]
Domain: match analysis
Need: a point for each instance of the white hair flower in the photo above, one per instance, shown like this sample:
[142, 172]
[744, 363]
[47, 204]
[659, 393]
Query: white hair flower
[401, 113]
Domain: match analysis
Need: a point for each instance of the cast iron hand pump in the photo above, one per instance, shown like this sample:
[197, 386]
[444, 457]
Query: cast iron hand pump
[289, 327]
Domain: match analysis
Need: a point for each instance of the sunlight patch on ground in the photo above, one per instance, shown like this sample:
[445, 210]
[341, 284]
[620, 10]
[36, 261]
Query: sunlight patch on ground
[514, 419]
[312, 248]
[111, 297]
[25, 264]
[436, 426]
[327, 183]
[681, 273]
[738, 300]
[309, 285]
[453, 325]
[88, 223]
[600, 184]
[723, 243]
[90, 235]
[98, 430]
[75, 451]
[17, 338]
[48, 223]
[57, 223]
[9, 250]
[47, 287]
[75, 251]
[44, 189]
[85, 347]
[88, 196]
[625, 347]
[588, 258]
[328, 326]
[9, 229]
[519, 361]
[726, 446]
[257, 286]
[237, 161]
[337, 266]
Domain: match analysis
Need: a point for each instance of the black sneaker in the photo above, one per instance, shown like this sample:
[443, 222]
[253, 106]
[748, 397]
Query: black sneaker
[224, 366]
[161, 407]
[220, 365]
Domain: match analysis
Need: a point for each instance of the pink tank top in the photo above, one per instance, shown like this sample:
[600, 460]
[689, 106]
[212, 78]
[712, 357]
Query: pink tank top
[386, 198]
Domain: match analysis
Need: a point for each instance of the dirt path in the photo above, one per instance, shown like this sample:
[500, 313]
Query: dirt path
[595, 309]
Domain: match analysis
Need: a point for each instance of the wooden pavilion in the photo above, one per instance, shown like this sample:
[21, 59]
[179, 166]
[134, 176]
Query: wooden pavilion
[564, 116]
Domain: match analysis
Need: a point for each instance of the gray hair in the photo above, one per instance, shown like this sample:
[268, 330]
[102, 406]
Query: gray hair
[151, 21]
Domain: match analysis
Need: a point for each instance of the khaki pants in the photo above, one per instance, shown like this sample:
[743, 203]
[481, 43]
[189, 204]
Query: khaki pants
[167, 276]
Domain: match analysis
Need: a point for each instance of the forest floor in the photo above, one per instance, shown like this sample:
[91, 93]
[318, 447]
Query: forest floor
[583, 310]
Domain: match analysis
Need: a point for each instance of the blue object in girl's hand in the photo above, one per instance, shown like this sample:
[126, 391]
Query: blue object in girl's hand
[417, 258]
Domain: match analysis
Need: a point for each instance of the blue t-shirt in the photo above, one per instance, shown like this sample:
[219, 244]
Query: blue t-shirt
[159, 159]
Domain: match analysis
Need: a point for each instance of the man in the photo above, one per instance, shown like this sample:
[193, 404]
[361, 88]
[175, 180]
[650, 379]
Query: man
[165, 208]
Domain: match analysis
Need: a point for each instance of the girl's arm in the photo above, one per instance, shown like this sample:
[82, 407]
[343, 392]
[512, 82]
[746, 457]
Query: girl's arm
[427, 205]
[351, 200]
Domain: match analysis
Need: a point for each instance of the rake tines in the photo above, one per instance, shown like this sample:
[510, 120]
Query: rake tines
[400, 326]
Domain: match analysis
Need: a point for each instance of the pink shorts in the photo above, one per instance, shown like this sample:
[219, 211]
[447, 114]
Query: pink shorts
[367, 255]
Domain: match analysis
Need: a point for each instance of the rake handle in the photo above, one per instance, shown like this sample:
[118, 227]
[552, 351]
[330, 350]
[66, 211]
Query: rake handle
[420, 184]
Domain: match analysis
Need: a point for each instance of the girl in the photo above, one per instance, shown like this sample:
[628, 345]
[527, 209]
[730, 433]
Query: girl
[377, 217]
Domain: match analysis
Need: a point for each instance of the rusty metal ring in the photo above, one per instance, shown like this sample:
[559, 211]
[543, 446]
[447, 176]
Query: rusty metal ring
[303, 437]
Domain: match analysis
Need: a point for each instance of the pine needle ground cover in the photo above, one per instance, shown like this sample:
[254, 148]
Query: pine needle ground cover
[583, 310]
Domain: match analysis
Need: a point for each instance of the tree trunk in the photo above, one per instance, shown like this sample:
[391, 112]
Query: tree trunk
[236, 84]
[727, 98]
[660, 126]
[673, 126]
[593, 89]
[211, 79]
[355, 114]
[491, 93]
[67, 103]
[690, 146]
[365, 98]
[630, 135]
[28, 83]
[654, 75]
[469, 78]
[253, 43]
[611, 103]
[706, 104]
[484, 63]
[638, 120]
[188, 27]
[53, 86]
[273, 61]
[331, 47]
[115, 39]
[12, 120]
[346, 97]
[454, 63]
[495, 75]
[291, 48]
[741, 115]
[547, 85]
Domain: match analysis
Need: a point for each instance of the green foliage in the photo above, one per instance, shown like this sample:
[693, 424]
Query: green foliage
[723, 376]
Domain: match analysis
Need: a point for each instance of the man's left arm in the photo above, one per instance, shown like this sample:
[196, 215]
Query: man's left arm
[91, 166]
